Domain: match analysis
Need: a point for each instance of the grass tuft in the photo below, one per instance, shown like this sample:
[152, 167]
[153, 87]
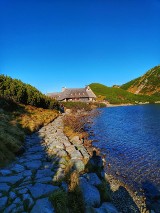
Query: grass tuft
[59, 199]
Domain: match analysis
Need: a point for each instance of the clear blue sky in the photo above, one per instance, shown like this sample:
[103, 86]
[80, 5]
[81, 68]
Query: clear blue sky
[55, 43]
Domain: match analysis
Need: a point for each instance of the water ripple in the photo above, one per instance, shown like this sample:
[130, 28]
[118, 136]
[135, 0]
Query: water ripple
[130, 138]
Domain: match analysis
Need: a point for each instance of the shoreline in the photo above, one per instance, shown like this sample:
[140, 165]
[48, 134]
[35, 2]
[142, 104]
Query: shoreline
[115, 183]
[121, 105]
[57, 151]
[143, 202]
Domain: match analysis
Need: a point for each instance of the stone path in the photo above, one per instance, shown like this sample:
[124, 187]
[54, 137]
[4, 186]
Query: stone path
[25, 185]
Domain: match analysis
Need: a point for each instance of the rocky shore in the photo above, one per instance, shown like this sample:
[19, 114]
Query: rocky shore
[27, 183]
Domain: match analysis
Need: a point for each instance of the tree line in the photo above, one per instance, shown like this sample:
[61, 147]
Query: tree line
[16, 90]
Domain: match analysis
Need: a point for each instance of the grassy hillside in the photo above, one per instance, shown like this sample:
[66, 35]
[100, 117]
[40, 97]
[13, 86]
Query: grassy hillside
[148, 84]
[129, 84]
[16, 120]
[23, 110]
[118, 95]
[23, 93]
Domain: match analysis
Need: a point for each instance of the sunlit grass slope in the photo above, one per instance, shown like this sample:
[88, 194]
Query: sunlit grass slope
[147, 84]
[16, 121]
[118, 95]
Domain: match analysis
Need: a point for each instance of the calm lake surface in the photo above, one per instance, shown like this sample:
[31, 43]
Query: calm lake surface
[130, 138]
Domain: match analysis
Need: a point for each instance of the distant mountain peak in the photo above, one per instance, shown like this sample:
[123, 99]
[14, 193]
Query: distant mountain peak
[148, 84]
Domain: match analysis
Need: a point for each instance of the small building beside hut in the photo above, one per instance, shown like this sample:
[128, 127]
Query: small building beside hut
[75, 94]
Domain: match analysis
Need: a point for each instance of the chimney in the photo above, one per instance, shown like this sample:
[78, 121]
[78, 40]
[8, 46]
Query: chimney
[63, 89]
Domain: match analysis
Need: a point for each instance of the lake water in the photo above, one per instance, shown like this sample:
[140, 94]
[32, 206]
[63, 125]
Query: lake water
[130, 138]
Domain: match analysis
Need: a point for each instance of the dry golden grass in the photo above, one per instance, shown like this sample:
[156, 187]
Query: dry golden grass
[36, 118]
[74, 180]
[14, 125]
[74, 124]
[11, 137]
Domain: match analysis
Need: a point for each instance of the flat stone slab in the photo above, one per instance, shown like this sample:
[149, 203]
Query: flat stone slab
[27, 197]
[27, 173]
[61, 153]
[78, 165]
[70, 149]
[35, 149]
[44, 180]
[4, 187]
[23, 191]
[34, 157]
[17, 201]
[76, 155]
[66, 143]
[18, 168]
[5, 172]
[39, 190]
[44, 173]
[90, 193]
[83, 152]
[11, 179]
[3, 202]
[43, 206]
[93, 179]
[12, 208]
[33, 164]
[56, 144]
[12, 195]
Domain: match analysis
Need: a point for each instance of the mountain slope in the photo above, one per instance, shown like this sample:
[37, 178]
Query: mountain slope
[20, 92]
[23, 110]
[148, 84]
[118, 95]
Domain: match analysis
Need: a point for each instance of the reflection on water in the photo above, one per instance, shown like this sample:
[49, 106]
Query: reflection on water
[130, 138]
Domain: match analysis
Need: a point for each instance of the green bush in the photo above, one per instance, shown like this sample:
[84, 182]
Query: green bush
[59, 200]
[68, 202]
[76, 203]
[77, 105]
[20, 92]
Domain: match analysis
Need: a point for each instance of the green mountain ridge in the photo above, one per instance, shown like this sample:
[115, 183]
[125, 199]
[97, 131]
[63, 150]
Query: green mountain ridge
[148, 84]
[119, 95]
[142, 89]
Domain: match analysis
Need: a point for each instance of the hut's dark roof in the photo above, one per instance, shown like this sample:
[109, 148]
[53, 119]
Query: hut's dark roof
[70, 93]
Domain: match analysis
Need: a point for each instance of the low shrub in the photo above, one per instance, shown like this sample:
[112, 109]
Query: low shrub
[76, 203]
[20, 92]
[77, 106]
[59, 199]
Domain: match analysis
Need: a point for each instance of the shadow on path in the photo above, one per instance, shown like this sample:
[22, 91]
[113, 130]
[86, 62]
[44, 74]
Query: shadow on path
[120, 198]
[26, 184]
